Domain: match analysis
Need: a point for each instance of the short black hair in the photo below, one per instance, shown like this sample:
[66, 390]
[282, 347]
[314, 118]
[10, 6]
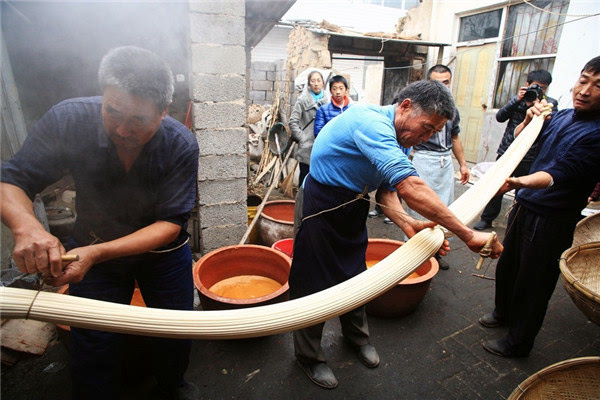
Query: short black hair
[431, 97]
[539, 75]
[336, 79]
[592, 66]
[440, 69]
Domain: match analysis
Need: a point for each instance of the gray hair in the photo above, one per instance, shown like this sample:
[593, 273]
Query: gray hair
[431, 97]
[139, 72]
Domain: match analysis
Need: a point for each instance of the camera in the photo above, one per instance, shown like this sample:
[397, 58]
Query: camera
[533, 92]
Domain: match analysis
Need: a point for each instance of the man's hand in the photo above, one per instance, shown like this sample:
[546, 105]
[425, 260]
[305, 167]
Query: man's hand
[464, 174]
[416, 225]
[536, 109]
[413, 226]
[521, 93]
[479, 240]
[36, 250]
[509, 184]
[76, 270]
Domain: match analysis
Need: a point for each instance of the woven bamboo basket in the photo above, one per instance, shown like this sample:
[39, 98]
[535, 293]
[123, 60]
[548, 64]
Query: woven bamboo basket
[587, 230]
[574, 379]
[580, 273]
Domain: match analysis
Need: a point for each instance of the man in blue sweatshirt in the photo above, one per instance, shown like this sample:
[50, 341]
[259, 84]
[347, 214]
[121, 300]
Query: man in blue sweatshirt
[358, 152]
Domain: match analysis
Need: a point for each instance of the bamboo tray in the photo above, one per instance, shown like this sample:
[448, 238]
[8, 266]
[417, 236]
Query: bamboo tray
[580, 273]
[574, 379]
[587, 230]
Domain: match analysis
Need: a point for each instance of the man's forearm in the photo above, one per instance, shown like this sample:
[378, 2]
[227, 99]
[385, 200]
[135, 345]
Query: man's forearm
[537, 180]
[16, 209]
[425, 201]
[457, 150]
[141, 241]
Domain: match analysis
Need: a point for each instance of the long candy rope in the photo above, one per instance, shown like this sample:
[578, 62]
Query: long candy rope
[275, 318]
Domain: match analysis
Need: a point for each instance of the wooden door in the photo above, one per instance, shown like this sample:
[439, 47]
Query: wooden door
[471, 87]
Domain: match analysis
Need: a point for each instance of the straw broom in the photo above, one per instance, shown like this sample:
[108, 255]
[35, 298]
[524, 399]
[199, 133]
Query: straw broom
[287, 186]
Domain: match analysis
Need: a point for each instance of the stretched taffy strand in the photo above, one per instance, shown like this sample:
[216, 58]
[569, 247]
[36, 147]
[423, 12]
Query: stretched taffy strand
[230, 324]
[275, 318]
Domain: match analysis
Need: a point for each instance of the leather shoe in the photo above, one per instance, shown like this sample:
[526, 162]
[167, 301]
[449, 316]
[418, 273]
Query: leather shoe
[368, 355]
[489, 320]
[319, 373]
[442, 263]
[500, 347]
[374, 214]
[482, 225]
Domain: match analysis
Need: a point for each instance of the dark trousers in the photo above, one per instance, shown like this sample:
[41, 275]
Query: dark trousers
[493, 207]
[527, 271]
[304, 170]
[165, 281]
[307, 341]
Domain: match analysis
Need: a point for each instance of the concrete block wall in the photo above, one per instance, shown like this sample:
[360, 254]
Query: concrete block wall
[265, 79]
[218, 91]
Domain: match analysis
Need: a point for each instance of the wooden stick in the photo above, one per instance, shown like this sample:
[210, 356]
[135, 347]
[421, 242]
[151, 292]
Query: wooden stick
[262, 204]
[486, 250]
[69, 257]
[265, 170]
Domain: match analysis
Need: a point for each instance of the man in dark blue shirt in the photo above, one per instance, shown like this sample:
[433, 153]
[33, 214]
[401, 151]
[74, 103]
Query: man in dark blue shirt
[548, 205]
[135, 172]
[514, 112]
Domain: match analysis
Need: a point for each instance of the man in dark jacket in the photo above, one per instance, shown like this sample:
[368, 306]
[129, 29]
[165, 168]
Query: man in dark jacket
[514, 111]
[542, 222]
[135, 170]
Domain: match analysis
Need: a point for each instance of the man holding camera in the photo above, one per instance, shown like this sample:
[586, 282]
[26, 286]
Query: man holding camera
[514, 111]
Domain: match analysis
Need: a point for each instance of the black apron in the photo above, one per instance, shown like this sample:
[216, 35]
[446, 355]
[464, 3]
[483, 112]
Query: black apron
[328, 248]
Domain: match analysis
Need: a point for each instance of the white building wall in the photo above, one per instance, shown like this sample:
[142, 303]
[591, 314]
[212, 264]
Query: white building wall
[273, 47]
[579, 42]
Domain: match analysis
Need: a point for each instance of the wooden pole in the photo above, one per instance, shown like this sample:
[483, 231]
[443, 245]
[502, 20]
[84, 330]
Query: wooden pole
[262, 204]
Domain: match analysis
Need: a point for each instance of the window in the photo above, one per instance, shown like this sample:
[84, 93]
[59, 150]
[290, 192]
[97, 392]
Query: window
[480, 26]
[530, 43]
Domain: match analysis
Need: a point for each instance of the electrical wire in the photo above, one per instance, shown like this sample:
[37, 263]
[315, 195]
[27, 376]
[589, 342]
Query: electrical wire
[552, 12]
[498, 41]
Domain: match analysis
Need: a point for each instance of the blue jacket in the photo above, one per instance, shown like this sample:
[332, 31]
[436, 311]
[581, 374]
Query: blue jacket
[326, 113]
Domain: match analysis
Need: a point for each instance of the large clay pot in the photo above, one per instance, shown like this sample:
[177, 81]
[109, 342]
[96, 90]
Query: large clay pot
[286, 246]
[404, 298]
[276, 221]
[231, 261]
